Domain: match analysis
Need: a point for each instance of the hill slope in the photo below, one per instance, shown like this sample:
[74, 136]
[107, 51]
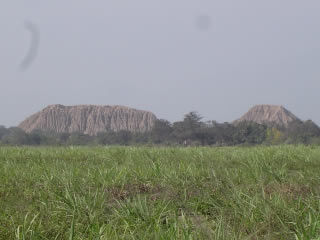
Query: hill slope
[270, 115]
[89, 119]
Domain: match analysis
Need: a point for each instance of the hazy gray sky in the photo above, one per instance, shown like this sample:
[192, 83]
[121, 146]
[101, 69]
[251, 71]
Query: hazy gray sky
[166, 56]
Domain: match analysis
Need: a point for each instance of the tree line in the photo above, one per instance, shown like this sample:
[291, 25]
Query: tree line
[191, 131]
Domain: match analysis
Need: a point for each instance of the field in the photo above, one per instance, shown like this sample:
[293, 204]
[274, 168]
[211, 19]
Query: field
[160, 193]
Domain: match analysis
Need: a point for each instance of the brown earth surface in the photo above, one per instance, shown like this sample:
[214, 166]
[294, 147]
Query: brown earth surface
[89, 119]
[270, 115]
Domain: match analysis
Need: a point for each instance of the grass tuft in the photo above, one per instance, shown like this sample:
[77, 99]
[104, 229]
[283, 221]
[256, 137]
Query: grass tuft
[160, 193]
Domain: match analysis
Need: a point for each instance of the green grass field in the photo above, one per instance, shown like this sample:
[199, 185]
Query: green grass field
[160, 193]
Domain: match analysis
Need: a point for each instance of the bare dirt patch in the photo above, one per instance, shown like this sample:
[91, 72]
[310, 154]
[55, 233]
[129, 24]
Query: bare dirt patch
[288, 189]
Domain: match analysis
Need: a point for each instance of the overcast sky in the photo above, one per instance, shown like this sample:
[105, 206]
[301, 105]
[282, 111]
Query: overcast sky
[167, 56]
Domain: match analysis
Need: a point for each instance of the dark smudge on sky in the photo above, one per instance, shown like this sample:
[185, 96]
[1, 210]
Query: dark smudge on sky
[203, 22]
[34, 46]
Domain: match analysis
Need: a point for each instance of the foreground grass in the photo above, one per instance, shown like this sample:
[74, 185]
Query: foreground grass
[160, 193]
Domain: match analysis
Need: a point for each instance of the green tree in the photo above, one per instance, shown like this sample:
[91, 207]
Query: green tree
[16, 136]
[79, 139]
[250, 133]
[302, 132]
[123, 137]
[161, 131]
[274, 136]
[189, 128]
[3, 131]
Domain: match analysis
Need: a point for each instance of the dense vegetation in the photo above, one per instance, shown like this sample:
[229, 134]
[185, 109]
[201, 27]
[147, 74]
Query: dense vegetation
[190, 131]
[160, 193]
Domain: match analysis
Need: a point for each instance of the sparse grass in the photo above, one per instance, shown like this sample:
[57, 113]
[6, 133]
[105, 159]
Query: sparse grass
[160, 193]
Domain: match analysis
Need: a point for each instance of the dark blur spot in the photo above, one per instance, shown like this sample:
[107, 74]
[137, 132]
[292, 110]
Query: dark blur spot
[34, 45]
[203, 22]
